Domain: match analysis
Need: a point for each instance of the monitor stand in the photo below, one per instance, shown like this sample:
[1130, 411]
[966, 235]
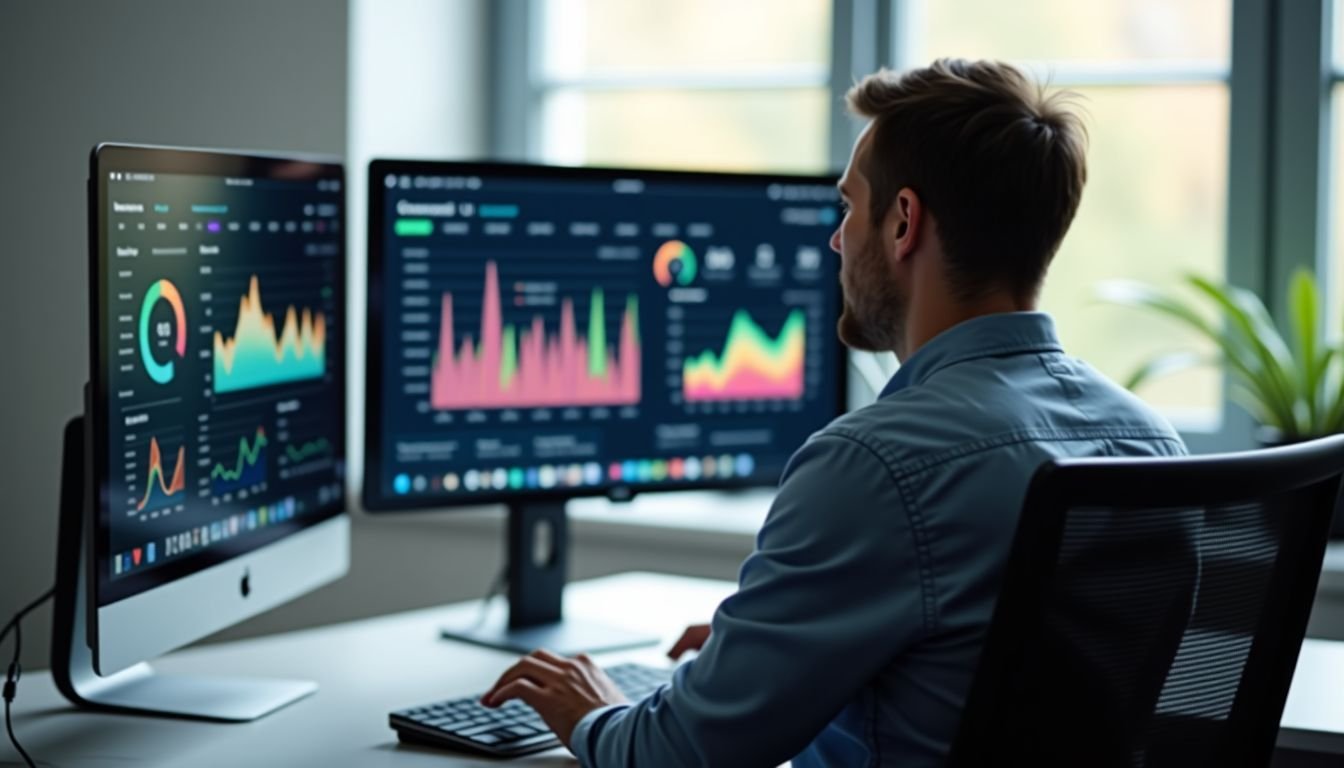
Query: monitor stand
[537, 550]
[136, 689]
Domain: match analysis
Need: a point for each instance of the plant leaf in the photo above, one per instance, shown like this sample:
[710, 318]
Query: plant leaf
[1332, 391]
[1254, 405]
[1162, 365]
[1252, 329]
[1303, 302]
[1248, 362]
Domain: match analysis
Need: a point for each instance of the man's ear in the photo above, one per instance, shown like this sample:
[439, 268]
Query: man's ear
[907, 214]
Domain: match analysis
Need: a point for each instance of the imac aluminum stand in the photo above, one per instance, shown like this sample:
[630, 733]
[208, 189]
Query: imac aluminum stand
[537, 552]
[136, 689]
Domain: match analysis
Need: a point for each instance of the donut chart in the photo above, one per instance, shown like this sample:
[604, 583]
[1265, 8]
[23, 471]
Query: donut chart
[674, 262]
[162, 372]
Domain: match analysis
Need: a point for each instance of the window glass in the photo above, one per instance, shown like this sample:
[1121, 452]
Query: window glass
[1117, 31]
[1337, 38]
[632, 82]
[1333, 269]
[1154, 208]
[738, 85]
[588, 37]
[780, 130]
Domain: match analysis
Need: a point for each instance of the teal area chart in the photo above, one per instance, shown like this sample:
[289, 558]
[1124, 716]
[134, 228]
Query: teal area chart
[257, 354]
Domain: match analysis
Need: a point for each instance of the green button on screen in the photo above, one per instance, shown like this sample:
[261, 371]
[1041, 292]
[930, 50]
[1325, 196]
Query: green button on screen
[414, 227]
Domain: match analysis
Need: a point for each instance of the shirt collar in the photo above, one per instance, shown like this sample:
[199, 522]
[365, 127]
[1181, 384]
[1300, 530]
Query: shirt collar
[1007, 333]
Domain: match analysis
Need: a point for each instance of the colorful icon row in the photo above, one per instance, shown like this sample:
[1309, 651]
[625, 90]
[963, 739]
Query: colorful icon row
[551, 476]
[200, 536]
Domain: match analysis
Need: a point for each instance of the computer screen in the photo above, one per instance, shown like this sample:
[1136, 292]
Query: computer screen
[218, 365]
[557, 332]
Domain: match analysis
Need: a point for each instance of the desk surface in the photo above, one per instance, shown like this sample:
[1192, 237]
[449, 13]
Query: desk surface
[368, 668]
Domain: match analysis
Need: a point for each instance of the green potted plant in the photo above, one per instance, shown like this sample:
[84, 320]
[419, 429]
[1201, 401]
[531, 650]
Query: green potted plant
[1292, 383]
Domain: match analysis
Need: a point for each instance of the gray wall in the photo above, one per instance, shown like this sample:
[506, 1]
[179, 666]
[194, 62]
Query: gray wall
[244, 73]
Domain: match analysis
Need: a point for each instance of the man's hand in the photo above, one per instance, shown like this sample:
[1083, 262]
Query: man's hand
[561, 690]
[693, 639]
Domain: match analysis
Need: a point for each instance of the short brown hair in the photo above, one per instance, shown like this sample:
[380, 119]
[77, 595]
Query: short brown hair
[998, 162]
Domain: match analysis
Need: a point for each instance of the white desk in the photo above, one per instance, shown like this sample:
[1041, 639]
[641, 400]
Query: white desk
[368, 668]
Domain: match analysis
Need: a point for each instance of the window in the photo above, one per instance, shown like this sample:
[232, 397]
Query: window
[741, 85]
[1332, 270]
[746, 85]
[758, 85]
[1153, 75]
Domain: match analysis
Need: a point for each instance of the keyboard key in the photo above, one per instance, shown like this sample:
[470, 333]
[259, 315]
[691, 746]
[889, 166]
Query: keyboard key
[514, 728]
[485, 738]
[545, 738]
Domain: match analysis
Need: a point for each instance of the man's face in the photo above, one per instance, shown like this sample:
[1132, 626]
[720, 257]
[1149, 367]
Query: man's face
[873, 317]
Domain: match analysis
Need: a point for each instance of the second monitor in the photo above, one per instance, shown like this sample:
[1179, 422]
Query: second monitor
[541, 333]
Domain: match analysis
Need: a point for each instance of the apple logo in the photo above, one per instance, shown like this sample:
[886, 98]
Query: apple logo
[245, 586]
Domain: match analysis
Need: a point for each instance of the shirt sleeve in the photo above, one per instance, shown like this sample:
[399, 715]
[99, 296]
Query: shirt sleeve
[832, 592]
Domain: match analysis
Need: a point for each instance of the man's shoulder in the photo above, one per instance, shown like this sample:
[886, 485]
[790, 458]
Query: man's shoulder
[966, 406]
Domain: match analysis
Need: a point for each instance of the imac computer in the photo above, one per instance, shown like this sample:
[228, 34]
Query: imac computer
[210, 484]
[539, 333]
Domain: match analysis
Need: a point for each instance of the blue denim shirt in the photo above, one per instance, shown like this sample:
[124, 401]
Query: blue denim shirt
[859, 617]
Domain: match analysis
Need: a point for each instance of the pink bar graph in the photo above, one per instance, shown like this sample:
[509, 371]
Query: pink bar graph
[526, 368]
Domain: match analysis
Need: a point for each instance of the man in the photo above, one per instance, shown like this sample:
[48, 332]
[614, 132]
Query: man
[859, 618]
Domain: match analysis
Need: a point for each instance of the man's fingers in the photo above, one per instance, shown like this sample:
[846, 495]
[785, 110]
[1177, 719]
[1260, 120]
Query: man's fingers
[682, 645]
[693, 639]
[554, 659]
[522, 688]
[527, 668]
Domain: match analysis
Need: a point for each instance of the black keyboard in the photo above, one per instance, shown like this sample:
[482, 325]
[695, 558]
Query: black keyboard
[511, 730]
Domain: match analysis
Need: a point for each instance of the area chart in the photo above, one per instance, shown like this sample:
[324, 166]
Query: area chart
[257, 356]
[751, 365]
[158, 488]
[513, 367]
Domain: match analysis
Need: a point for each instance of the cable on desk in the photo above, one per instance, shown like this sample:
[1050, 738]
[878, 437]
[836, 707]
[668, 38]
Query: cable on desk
[15, 670]
[496, 587]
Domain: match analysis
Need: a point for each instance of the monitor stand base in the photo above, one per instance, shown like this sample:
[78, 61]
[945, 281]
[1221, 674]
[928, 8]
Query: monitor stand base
[136, 689]
[232, 699]
[567, 638]
[537, 553]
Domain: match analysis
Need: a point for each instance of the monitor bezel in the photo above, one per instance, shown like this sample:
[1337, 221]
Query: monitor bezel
[327, 525]
[373, 500]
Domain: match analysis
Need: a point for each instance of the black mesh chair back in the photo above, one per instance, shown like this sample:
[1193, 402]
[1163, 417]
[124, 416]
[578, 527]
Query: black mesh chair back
[1152, 611]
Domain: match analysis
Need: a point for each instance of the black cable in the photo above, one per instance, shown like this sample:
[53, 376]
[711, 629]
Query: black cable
[42, 598]
[496, 587]
[11, 687]
[15, 670]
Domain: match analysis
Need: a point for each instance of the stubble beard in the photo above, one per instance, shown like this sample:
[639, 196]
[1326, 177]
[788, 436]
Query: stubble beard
[873, 315]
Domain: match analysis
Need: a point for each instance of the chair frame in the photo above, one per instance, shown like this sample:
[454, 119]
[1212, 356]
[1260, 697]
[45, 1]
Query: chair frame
[1313, 468]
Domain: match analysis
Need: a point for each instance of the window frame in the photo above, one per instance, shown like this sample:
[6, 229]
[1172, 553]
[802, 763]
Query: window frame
[520, 85]
[1279, 79]
[1332, 233]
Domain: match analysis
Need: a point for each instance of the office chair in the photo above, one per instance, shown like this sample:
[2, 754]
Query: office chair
[1152, 610]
